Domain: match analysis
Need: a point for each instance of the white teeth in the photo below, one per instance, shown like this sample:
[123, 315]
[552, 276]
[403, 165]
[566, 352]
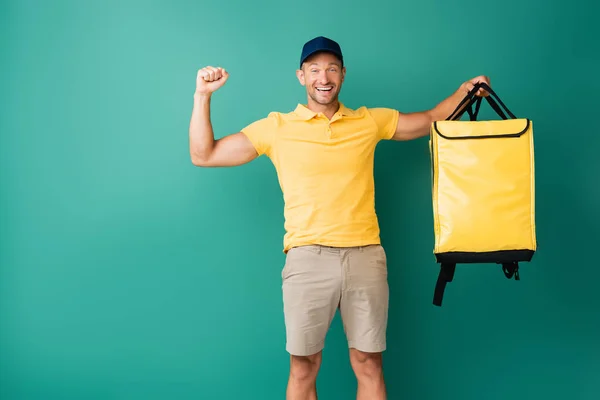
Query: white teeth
[324, 89]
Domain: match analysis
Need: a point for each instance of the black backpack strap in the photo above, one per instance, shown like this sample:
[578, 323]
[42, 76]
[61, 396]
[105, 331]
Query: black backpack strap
[511, 269]
[446, 275]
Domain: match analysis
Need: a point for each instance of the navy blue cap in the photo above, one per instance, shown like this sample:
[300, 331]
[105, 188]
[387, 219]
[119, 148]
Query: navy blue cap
[320, 44]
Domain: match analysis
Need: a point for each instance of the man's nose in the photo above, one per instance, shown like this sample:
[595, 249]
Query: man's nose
[323, 77]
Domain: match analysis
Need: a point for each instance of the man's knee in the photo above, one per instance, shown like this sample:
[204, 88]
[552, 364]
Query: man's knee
[366, 365]
[305, 368]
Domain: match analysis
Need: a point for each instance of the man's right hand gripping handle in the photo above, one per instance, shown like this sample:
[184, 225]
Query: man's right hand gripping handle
[205, 151]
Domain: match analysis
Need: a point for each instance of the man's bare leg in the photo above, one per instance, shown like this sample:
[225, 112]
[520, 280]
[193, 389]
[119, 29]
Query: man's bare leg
[302, 383]
[368, 368]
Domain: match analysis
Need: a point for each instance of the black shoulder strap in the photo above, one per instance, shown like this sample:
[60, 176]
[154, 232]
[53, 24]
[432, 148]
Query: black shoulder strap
[511, 269]
[446, 275]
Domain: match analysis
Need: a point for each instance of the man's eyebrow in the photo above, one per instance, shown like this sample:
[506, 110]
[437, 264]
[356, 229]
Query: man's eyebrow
[337, 64]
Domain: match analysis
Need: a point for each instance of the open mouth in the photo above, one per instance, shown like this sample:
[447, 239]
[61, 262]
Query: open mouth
[325, 89]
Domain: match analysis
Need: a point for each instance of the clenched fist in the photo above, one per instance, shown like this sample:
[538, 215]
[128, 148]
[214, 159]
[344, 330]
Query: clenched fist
[470, 84]
[209, 79]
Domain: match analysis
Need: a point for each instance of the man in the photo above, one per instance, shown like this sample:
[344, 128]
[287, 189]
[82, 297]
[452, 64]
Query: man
[323, 154]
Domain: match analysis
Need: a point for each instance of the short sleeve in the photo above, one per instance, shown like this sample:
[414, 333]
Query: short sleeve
[261, 133]
[386, 120]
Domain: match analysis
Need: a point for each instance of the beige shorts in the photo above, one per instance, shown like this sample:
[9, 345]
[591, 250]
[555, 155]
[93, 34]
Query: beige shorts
[319, 280]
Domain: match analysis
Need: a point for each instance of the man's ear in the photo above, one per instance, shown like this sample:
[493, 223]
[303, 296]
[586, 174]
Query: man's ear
[343, 73]
[300, 76]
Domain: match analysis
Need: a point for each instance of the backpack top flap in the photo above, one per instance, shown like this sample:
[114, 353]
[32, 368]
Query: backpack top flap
[456, 130]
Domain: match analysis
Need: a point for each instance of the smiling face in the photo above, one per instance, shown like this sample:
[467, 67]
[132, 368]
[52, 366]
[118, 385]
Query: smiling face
[322, 74]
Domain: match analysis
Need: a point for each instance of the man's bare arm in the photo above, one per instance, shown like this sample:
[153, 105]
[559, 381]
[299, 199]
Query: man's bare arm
[417, 124]
[205, 151]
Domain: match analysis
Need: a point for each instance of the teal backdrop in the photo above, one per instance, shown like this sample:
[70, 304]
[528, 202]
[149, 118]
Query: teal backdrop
[128, 273]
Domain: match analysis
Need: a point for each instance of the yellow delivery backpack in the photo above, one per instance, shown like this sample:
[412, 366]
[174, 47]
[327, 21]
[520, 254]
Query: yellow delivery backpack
[483, 189]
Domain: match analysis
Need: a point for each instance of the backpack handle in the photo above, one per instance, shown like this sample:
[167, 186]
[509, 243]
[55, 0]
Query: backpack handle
[471, 99]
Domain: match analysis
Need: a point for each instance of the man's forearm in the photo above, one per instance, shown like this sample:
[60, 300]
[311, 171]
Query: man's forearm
[415, 125]
[447, 106]
[202, 137]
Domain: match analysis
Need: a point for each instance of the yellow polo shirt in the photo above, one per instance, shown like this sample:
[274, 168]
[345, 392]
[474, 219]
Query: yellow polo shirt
[325, 171]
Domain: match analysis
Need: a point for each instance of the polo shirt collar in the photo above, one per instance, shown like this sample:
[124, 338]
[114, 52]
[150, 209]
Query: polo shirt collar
[306, 114]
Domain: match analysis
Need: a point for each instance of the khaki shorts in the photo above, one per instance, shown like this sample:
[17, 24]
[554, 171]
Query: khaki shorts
[319, 280]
